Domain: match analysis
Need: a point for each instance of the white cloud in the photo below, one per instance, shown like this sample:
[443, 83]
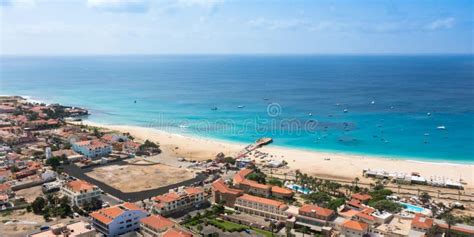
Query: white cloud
[120, 5]
[441, 24]
[17, 3]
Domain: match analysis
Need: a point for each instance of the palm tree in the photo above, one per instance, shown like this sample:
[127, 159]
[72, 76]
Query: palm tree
[450, 221]
[304, 230]
[356, 181]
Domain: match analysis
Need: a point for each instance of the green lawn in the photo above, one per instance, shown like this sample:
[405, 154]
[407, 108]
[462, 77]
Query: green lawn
[234, 227]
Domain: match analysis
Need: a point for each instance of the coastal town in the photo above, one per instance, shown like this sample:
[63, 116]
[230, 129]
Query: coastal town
[60, 176]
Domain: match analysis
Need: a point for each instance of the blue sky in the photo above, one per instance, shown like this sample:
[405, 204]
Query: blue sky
[59, 27]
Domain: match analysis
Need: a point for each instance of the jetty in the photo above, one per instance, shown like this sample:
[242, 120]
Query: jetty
[258, 143]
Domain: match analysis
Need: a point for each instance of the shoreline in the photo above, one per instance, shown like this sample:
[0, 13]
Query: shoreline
[341, 165]
[422, 160]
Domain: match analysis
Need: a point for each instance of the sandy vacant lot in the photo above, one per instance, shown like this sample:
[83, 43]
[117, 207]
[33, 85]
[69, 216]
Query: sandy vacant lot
[139, 177]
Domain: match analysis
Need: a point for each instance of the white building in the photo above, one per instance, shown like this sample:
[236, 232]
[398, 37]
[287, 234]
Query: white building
[118, 220]
[183, 199]
[47, 153]
[80, 192]
[92, 148]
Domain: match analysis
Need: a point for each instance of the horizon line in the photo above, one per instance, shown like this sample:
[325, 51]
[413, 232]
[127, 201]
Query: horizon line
[240, 54]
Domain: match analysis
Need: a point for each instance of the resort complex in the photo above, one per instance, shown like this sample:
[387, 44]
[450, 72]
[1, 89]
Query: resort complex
[62, 177]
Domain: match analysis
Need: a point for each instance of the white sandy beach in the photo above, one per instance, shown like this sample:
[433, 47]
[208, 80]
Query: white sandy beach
[340, 165]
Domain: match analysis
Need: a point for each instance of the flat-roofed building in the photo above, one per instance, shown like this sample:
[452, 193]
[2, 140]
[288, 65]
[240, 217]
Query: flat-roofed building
[80, 192]
[261, 207]
[92, 148]
[175, 201]
[76, 229]
[117, 220]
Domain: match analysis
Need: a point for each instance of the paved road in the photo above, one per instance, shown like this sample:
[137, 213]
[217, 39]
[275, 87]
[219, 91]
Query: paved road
[79, 173]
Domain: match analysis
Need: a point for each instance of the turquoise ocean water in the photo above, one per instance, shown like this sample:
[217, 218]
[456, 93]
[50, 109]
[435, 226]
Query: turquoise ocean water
[389, 105]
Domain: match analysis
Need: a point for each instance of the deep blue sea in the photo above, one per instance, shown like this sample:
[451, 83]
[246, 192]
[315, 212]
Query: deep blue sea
[390, 105]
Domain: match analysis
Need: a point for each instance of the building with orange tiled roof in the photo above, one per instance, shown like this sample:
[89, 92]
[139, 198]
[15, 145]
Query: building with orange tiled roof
[155, 225]
[174, 232]
[353, 228]
[222, 193]
[421, 223]
[361, 197]
[314, 215]
[92, 148]
[175, 201]
[364, 217]
[117, 220]
[260, 206]
[280, 192]
[255, 188]
[80, 192]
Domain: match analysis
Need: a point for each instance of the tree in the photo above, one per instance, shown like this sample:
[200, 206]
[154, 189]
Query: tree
[199, 228]
[38, 204]
[387, 205]
[335, 203]
[304, 230]
[450, 221]
[257, 176]
[54, 162]
[319, 198]
[97, 133]
[425, 197]
[229, 160]
[275, 182]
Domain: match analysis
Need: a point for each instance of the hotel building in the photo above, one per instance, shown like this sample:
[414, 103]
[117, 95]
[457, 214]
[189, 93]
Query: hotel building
[92, 148]
[252, 187]
[183, 199]
[80, 192]
[314, 215]
[261, 207]
[117, 220]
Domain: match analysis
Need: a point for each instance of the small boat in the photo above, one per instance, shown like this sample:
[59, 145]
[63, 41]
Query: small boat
[183, 126]
[241, 106]
[214, 108]
[426, 134]
[264, 98]
[134, 101]
[310, 114]
[441, 127]
[373, 102]
[345, 110]
[429, 114]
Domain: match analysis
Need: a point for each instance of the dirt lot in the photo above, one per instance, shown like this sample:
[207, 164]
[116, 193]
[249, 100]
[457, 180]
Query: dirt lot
[30, 194]
[139, 177]
[20, 223]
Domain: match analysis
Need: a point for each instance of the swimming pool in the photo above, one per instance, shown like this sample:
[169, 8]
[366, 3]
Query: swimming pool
[298, 188]
[412, 208]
